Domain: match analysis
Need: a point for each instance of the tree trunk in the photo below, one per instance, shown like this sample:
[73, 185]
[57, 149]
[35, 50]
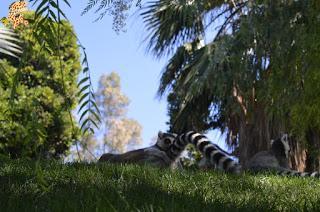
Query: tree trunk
[313, 148]
[298, 155]
[254, 134]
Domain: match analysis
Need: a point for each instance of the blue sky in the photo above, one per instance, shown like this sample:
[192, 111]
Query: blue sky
[126, 54]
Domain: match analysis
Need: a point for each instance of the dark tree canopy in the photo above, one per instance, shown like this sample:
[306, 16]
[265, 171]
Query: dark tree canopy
[256, 77]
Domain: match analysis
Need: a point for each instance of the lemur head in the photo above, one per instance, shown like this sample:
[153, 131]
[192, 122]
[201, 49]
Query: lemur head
[281, 145]
[165, 140]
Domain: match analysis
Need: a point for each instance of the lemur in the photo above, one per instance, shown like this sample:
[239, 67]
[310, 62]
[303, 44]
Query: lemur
[276, 159]
[163, 154]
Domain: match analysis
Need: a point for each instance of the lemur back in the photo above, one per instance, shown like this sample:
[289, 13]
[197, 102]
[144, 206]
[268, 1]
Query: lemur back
[158, 155]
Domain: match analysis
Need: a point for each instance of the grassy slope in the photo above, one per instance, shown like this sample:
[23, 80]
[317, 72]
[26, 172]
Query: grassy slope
[103, 187]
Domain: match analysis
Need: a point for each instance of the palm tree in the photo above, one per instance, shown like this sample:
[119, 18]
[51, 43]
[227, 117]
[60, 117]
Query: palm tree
[199, 78]
[227, 83]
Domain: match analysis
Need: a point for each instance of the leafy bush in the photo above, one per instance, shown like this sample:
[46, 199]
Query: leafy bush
[36, 95]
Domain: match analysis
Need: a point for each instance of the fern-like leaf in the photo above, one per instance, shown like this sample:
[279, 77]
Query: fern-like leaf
[88, 111]
[90, 5]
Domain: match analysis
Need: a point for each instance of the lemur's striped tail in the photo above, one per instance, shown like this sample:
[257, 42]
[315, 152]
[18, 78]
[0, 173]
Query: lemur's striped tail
[211, 151]
[177, 148]
[288, 172]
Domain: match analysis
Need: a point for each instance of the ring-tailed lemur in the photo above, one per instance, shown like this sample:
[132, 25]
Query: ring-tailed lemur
[163, 154]
[276, 159]
[212, 152]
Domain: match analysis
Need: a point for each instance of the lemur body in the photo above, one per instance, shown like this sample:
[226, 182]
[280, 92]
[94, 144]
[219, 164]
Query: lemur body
[276, 159]
[163, 154]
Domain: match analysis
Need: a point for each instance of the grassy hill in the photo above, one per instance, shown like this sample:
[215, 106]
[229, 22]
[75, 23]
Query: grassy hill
[51, 186]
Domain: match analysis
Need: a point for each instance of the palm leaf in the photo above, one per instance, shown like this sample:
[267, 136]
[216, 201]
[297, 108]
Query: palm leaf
[177, 64]
[8, 40]
[171, 24]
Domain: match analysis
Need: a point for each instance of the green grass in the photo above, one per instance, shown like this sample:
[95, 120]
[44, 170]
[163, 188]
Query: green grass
[104, 187]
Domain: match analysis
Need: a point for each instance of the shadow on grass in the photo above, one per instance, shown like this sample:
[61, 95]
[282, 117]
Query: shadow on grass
[24, 194]
[85, 187]
[81, 198]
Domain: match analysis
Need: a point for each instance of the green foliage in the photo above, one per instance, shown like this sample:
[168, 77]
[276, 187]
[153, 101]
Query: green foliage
[89, 111]
[191, 160]
[104, 187]
[300, 66]
[49, 13]
[185, 24]
[118, 9]
[36, 97]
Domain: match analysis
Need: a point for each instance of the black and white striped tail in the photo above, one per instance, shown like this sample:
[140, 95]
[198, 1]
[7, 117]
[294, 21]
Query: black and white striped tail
[288, 172]
[177, 148]
[211, 151]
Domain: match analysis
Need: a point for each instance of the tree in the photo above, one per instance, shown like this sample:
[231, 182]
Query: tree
[36, 95]
[119, 131]
[250, 78]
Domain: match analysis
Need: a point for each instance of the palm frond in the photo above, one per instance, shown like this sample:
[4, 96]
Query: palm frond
[206, 70]
[171, 24]
[176, 65]
[8, 42]
[199, 74]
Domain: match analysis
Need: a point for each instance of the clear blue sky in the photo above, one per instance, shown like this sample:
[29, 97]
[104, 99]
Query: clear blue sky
[126, 54]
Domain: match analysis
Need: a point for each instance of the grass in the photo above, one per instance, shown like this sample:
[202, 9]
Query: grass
[51, 186]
